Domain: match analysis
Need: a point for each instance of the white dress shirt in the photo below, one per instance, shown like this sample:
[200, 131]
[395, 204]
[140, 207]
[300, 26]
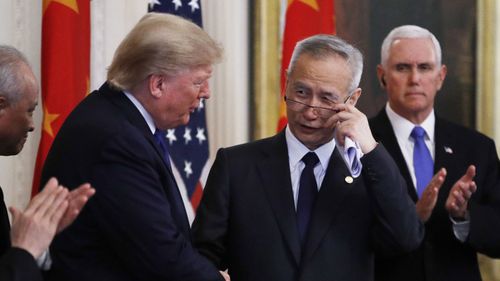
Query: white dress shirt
[402, 129]
[297, 150]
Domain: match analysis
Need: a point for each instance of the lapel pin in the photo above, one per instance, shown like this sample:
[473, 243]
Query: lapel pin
[448, 150]
[348, 179]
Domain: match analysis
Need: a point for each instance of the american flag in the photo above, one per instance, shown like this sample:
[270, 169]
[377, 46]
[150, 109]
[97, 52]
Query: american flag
[188, 145]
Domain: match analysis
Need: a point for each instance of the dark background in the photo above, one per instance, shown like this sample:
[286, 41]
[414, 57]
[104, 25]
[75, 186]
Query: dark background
[365, 23]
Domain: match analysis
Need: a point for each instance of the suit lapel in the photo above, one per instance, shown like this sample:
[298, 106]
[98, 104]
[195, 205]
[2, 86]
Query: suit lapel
[383, 132]
[275, 174]
[133, 115]
[334, 190]
[445, 145]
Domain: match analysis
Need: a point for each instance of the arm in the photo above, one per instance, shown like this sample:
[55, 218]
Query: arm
[34, 229]
[136, 206]
[484, 205]
[212, 217]
[19, 265]
[397, 228]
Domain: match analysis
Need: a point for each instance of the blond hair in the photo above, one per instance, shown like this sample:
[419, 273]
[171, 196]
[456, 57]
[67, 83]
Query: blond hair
[161, 44]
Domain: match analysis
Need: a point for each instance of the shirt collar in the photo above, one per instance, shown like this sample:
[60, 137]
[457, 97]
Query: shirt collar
[403, 127]
[297, 150]
[145, 114]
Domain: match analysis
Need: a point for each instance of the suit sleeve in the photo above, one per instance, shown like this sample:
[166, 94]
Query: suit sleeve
[397, 228]
[134, 209]
[19, 265]
[210, 226]
[484, 208]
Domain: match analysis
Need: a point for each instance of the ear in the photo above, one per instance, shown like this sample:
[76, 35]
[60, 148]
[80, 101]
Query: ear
[381, 76]
[441, 76]
[156, 85]
[354, 97]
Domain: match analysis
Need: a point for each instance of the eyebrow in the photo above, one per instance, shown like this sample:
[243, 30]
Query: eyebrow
[333, 94]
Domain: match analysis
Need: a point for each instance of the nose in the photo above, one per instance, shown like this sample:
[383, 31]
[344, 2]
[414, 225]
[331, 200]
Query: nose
[311, 113]
[31, 126]
[414, 76]
[205, 90]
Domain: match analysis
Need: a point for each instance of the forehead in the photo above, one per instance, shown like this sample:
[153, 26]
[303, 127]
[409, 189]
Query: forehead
[331, 71]
[201, 71]
[412, 50]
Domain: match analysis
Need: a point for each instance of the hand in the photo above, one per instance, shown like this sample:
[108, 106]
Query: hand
[460, 193]
[77, 199]
[428, 200]
[225, 275]
[34, 229]
[353, 123]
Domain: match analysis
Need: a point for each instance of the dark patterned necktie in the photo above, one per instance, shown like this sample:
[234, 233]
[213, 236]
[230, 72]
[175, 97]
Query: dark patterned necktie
[308, 189]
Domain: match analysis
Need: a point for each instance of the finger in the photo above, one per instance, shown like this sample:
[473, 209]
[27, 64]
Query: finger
[469, 174]
[41, 197]
[14, 212]
[84, 190]
[56, 204]
[459, 199]
[58, 213]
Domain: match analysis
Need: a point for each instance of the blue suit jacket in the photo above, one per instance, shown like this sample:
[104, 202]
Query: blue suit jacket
[135, 227]
[441, 256]
[246, 220]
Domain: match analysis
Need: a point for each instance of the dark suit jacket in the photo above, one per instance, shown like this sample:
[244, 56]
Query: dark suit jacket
[442, 256]
[15, 264]
[246, 220]
[18, 265]
[4, 226]
[135, 227]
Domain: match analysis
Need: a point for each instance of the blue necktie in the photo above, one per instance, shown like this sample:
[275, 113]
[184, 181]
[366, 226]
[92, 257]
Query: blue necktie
[160, 139]
[308, 189]
[422, 160]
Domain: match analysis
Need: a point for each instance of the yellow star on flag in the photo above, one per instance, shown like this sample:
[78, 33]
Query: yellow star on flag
[72, 4]
[47, 121]
[312, 3]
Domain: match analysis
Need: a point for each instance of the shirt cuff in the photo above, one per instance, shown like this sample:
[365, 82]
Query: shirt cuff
[461, 228]
[44, 261]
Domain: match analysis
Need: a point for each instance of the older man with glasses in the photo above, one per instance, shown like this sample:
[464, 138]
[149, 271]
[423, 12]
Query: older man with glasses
[295, 206]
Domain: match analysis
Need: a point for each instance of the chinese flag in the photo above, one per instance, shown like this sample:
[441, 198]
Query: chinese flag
[65, 68]
[303, 19]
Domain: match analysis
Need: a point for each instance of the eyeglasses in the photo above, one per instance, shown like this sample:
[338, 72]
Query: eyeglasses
[323, 112]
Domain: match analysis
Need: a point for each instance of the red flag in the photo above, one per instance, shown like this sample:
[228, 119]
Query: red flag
[65, 68]
[303, 19]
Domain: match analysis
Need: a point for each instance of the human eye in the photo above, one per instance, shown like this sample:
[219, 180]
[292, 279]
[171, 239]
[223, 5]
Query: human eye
[403, 67]
[425, 67]
[300, 93]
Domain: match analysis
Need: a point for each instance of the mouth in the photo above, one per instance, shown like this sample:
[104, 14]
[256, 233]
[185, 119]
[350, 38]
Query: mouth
[307, 129]
[414, 94]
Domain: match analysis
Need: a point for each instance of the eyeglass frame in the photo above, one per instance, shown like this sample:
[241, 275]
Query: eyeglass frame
[315, 107]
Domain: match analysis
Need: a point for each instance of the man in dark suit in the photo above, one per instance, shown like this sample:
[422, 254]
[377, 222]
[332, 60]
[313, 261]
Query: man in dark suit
[49, 211]
[262, 216]
[135, 228]
[460, 205]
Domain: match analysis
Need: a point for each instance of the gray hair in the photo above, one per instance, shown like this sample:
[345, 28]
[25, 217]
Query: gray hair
[161, 44]
[12, 84]
[408, 31]
[323, 45]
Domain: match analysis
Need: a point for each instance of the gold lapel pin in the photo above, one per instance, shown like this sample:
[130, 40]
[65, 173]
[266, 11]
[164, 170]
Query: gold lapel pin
[349, 179]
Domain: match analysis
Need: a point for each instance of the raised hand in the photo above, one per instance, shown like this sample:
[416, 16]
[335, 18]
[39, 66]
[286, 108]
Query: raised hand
[428, 200]
[353, 123]
[460, 193]
[34, 229]
[77, 199]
